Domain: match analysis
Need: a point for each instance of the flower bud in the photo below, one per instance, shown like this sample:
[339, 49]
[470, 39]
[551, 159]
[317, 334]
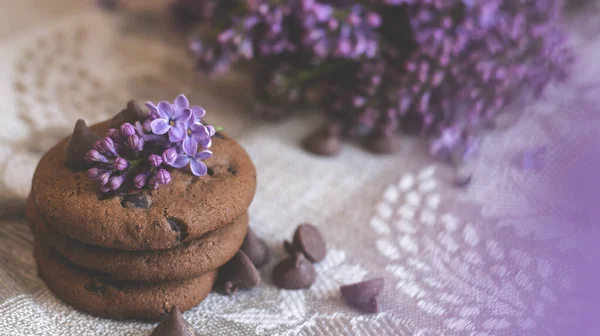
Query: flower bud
[121, 164]
[115, 182]
[169, 156]
[94, 156]
[127, 129]
[140, 180]
[105, 146]
[155, 160]
[163, 176]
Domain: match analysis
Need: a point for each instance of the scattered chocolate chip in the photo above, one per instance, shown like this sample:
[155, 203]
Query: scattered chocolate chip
[136, 201]
[294, 272]
[308, 241]
[132, 113]
[384, 143]
[239, 273]
[363, 295]
[109, 5]
[219, 135]
[174, 325]
[79, 144]
[231, 169]
[256, 249]
[325, 141]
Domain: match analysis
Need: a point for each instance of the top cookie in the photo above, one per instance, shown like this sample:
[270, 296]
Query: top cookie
[181, 211]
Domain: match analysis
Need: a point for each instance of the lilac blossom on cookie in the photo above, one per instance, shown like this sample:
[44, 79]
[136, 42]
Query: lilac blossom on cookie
[142, 156]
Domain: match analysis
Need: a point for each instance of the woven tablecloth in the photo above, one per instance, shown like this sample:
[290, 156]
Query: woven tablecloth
[502, 256]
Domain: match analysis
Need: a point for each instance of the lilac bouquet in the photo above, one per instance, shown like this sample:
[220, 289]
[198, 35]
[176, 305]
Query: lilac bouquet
[142, 154]
[439, 68]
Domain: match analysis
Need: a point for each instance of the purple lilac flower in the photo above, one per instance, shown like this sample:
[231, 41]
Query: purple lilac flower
[344, 32]
[194, 133]
[171, 120]
[195, 161]
[132, 156]
[447, 63]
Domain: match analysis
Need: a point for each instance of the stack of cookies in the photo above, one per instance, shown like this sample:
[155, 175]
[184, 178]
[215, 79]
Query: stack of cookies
[139, 253]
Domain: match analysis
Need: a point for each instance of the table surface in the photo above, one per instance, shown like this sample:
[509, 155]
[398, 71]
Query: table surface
[496, 258]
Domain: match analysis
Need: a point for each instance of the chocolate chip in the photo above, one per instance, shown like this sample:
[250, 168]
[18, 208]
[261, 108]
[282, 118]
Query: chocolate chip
[132, 113]
[109, 5]
[174, 325]
[78, 145]
[231, 169]
[308, 241]
[384, 143]
[96, 287]
[294, 272]
[219, 135]
[239, 273]
[178, 226]
[324, 142]
[136, 201]
[363, 295]
[256, 249]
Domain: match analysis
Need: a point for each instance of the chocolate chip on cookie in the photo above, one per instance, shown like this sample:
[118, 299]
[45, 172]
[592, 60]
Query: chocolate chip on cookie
[79, 143]
[70, 202]
[132, 113]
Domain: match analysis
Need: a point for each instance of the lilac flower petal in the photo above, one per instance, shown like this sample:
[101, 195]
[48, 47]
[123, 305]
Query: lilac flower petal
[165, 110]
[199, 112]
[203, 155]
[184, 116]
[206, 143]
[200, 132]
[177, 133]
[150, 105]
[211, 130]
[182, 161]
[160, 126]
[182, 102]
[190, 146]
[198, 168]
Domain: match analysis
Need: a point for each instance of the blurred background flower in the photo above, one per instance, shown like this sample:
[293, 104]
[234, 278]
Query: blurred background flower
[442, 69]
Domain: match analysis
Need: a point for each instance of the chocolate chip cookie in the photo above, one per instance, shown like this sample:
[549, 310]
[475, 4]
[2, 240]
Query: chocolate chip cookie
[176, 214]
